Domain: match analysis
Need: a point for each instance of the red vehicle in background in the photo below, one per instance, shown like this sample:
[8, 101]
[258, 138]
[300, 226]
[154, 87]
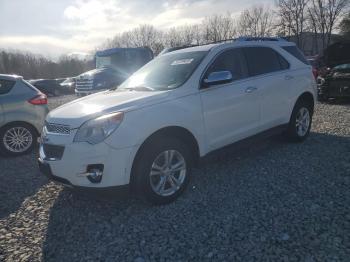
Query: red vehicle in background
[314, 62]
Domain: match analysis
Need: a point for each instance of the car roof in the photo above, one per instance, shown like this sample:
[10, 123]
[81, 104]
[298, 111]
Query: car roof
[10, 77]
[116, 50]
[239, 42]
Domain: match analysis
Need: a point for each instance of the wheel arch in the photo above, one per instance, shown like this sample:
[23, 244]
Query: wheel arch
[307, 97]
[177, 132]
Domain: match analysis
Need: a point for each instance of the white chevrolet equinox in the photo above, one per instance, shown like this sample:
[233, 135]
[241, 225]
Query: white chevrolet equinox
[150, 131]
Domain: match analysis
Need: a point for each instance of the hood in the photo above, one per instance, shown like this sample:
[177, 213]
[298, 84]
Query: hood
[78, 111]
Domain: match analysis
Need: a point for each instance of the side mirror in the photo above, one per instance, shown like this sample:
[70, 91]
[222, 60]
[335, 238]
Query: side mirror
[216, 78]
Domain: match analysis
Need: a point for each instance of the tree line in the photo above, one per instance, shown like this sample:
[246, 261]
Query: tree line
[290, 19]
[33, 66]
[294, 20]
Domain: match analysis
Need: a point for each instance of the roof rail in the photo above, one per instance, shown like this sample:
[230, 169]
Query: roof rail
[239, 39]
[275, 39]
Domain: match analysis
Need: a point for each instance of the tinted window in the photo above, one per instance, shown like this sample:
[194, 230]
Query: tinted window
[30, 86]
[293, 50]
[6, 86]
[231, 60]
[283, 62]
[263, 60]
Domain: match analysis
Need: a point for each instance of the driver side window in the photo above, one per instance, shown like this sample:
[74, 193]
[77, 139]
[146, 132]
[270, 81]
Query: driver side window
[232, 61]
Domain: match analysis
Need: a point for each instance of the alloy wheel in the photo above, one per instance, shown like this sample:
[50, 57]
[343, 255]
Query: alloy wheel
[302, 122]
[17, 139]
[168, 173]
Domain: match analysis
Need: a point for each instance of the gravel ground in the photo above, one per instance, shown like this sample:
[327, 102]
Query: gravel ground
[271, 201]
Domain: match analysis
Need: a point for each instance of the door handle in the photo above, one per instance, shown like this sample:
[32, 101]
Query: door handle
[251, 89]
[288, 77]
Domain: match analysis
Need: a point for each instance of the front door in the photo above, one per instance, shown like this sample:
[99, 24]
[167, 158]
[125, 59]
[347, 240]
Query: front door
[231, 110]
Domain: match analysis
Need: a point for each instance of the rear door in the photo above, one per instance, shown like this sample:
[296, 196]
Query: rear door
[5, 88]
[231, 111]
[269, 70]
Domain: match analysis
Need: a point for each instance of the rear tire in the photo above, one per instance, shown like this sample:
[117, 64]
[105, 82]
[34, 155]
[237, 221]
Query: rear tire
[300, 122]
[17, 139]
[162, 170]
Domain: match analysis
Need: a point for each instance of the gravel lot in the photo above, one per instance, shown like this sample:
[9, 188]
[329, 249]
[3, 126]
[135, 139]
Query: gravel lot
[271, 201]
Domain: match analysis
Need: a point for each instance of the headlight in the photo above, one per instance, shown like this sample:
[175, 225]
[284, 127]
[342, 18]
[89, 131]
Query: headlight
[96, 130]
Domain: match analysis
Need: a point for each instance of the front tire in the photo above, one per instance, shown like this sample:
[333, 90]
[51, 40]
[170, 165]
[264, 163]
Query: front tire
[17, 139]
[300, 122]
[162, 170]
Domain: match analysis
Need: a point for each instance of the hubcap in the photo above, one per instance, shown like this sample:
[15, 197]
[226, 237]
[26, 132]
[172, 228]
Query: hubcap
[17, 139]
[168, 173]
[302, 121]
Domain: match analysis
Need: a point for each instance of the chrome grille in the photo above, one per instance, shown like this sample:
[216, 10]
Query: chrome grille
[57, 128]
[83, 84]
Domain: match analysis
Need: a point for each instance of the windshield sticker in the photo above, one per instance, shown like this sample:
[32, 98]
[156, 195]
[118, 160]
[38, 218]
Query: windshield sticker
[182, 62]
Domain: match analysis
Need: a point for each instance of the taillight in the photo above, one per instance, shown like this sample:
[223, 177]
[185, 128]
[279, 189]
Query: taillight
[40, 99]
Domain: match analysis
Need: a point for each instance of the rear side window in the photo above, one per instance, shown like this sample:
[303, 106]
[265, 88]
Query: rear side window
[263, 60]
[30, 86]
[294, 51]
[230, 60]
[6, 86]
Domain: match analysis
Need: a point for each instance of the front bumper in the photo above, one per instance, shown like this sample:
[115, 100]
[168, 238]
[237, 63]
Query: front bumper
[71, 169]
[46, 170]
[334, 88]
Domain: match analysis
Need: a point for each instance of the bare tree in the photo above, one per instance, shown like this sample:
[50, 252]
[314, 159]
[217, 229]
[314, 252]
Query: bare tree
[293, 15]
[218, 27]
[256, 21]
[345, 26]
[32, 66]
[142, 36]
[325, 15]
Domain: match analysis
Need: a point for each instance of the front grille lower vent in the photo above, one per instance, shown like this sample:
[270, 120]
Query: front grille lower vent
[53, 151]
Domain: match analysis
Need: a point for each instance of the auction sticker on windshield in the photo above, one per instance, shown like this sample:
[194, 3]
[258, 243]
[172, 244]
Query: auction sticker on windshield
[182, 62]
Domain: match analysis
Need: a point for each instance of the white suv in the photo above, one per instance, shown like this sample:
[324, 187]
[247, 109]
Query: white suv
[150, 131]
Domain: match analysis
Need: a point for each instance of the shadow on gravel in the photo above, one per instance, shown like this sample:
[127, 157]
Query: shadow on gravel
[339, 101]
[270, 201]
[19, 179]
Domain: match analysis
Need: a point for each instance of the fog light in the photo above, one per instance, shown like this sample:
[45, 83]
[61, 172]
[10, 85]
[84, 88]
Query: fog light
[95, 173]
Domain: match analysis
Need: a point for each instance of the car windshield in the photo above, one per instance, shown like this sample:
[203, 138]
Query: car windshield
[165, 72]
[103, 61]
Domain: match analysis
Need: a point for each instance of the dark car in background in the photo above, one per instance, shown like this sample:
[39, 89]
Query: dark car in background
[334, 79]
[335, 84]
[69, 84]
[113, 66]
[52, 87]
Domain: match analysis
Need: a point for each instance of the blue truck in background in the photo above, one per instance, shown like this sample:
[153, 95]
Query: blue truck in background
[113, 66]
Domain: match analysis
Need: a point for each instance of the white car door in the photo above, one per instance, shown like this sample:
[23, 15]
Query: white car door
[270, 71]
[231, 110]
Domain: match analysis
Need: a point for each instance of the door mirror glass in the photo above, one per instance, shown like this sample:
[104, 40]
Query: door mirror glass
[216, 78]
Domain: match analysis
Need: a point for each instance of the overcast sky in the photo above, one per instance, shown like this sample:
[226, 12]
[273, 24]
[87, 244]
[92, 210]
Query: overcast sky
[55, 27]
